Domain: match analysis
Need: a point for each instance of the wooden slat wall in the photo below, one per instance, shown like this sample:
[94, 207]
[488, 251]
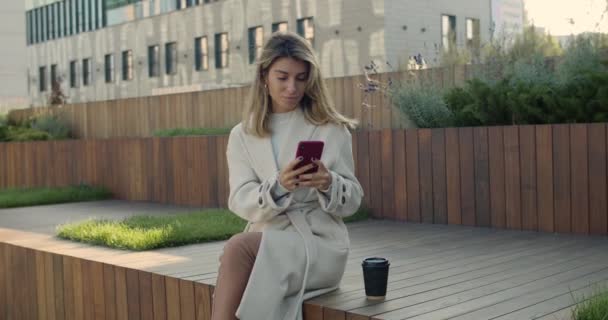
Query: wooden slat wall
[141, 117]
[41, 285]
[550, 178]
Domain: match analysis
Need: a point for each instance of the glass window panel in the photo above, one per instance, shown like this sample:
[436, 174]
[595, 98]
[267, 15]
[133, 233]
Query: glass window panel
[42, 79]
[127, 65]
[73, 74]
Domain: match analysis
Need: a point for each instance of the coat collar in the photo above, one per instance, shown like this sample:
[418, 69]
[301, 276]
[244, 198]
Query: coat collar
[261, 151]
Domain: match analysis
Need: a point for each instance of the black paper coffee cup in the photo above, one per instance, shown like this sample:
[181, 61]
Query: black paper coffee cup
[375, 277]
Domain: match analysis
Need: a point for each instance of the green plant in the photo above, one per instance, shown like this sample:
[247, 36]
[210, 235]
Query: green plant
[150, 232]
[595, 308]
[191, 132]
[26, 134]
[423, 105]
[3, 128]
[53, 125]
[22, 197]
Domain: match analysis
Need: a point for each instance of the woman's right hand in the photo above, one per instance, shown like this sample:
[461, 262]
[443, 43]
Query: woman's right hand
[290, 178]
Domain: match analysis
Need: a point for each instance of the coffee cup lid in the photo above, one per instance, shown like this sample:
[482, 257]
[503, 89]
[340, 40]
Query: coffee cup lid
[375, 262]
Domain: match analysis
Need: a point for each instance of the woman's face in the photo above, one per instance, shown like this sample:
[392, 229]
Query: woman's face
[286, 81]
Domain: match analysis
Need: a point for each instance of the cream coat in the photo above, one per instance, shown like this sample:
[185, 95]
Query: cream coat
[304, 239]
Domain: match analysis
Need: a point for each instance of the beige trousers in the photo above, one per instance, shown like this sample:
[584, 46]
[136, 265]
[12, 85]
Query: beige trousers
[236, 264]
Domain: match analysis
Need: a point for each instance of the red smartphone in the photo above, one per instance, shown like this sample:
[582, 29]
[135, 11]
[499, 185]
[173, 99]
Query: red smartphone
[309, 150]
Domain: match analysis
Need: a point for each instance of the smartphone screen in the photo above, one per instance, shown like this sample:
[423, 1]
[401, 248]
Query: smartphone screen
[309, 150]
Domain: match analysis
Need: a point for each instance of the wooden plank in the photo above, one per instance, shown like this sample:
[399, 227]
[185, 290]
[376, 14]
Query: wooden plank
[527, 139]
[133, 298]
[28, 285]
[561, 178]
[598, 210]
[544, 182]
[98, 290]
[375, 172]
[512, 177]
[332, 314]
[452, 163]
[440, 214]
[4, 273]
[58, 282]
[425, 164]
[109, 291]
[88, 290]
[388, 174]
[413, 175]
[173, 305]
[203, 301]
[497, 177]
[122, 308]
[78, 288]
[400, 178]
[579, 177]
[363, 164]
[186, 300]
[49, 286]
[146, 303]
[482, 177]
[312, 311]
[159, 299]
[40, 280]
[467, 175]
[212, 158]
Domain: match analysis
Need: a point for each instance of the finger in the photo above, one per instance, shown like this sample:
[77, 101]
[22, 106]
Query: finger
[293, 163]
[320, 164]
[303, 169]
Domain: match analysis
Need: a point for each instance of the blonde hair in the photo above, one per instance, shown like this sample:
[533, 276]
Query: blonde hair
[315, 103]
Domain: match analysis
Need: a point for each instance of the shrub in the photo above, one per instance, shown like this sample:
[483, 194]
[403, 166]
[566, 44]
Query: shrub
[26, 134]
[3, 128]
[191, 132]
[423, 105]
[53, 125]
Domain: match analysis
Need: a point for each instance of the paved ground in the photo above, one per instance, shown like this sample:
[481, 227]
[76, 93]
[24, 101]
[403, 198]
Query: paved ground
[44, 219]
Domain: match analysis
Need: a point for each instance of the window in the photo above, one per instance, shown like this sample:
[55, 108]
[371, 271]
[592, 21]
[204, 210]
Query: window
[65, 20]
[171, 58]
[28, 28]
[86, 71]
[448, 32]
[180, 4]
[256, 41]
[279, 26]
[72, 23]
[61, 27]
[50, 21]
[127, 65]
[45, 22]
[42, 79]
[473, 38]
[190, 3]
[109, 67]
[73, 74]
[201, 54]
[221, 50]
[53, 75]
[306, 29]
[153, 60]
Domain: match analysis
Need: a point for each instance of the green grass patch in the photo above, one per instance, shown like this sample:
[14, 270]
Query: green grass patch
[24, 197]
[175, 132]
[595, 308]
[152, 232]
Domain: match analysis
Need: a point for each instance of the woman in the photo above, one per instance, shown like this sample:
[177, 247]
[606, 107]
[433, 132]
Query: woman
[295, 244]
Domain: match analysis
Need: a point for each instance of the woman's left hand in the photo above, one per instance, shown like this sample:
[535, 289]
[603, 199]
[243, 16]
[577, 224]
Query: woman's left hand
[320, 179]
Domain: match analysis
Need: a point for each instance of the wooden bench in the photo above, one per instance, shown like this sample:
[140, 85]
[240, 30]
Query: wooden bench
[437, 272]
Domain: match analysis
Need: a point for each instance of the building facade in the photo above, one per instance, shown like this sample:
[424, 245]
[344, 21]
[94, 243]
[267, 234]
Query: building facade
[13, 62]
[101, 50]
[507, 18]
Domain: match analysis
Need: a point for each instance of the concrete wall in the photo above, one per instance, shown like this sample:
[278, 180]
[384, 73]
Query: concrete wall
[13, 62]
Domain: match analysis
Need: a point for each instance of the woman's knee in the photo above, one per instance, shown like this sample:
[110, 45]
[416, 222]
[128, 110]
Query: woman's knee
[242, 246]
